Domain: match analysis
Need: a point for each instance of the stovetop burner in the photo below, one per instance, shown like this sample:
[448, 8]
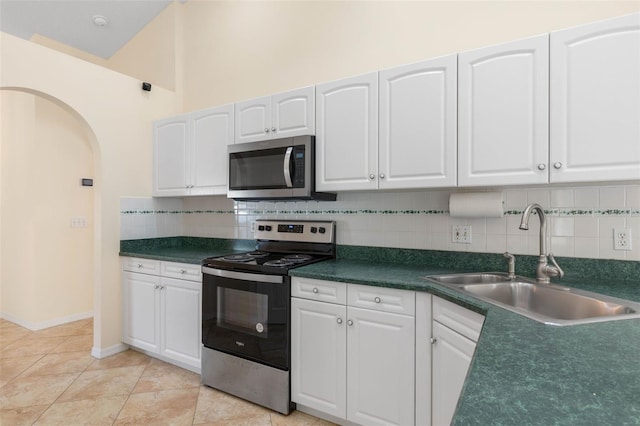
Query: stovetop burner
[245, 257]
[297, 258]
[282, 263]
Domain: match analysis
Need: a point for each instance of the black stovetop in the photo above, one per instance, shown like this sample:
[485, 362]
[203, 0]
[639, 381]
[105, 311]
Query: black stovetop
[265, 262]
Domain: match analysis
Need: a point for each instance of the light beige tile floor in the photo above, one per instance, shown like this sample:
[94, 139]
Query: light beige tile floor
[48, 377]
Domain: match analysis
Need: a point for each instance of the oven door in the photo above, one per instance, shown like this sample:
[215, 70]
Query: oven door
[246, 315]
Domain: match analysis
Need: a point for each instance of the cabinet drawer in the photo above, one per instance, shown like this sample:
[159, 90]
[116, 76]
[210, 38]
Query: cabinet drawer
[143, 266]
[382, 299]
[181, 271]
[321, 290]
[462, 320]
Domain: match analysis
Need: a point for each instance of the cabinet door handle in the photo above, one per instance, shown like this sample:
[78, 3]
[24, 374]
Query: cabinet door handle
[381, 175]
[266, 130]
[273, 129]
[557, 165]
[183, 271]
[542, 166]
[433, 340]
[315, 290]
[377, 299]
[349, 323]
[372, 176]
[339, 320]
[156, 286]
[139, 265]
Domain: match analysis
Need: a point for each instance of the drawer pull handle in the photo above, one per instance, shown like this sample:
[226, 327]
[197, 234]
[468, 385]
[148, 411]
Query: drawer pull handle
[182, 271]
[139, 265]
[377, 299]
[315, 290]
[339, 320]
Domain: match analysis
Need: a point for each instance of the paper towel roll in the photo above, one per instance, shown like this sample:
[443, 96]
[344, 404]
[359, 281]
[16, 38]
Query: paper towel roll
[476, 204]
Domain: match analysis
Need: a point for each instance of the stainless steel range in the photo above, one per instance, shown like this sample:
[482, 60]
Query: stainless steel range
[246, 310]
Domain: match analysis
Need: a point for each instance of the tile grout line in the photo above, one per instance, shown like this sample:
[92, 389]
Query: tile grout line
[70, 384]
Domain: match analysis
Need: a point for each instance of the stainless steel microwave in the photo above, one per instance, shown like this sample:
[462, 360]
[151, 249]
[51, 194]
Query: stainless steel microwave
[276, 169]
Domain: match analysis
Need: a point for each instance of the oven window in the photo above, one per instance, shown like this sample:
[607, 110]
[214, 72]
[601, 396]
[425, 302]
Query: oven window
[243, 311]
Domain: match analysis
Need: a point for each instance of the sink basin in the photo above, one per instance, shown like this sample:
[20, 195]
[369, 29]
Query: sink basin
[546, 303]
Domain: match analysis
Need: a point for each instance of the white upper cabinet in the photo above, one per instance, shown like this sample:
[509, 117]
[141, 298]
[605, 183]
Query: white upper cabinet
[595, 101]
[282, 115]
[190, 153]
[347, 134]
[417, 118]
[170, 167]
[212, 131]
[503, 113]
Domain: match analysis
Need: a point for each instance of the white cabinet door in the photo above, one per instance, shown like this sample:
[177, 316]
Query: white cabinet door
[140, 311]
[423, 358]
[170, 162]
[503, 114]
[211, 132]
[452, 354]
[318, 355]
[595, 102]
[347, 134]
[418, 120]
[253, 120]
[293, 113]
[380, 368]
[180, 314]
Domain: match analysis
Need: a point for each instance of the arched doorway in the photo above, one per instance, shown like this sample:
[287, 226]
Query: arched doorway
[49, 222]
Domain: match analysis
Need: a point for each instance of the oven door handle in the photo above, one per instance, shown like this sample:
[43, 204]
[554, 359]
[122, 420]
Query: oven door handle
[275, 279]
[287, 167]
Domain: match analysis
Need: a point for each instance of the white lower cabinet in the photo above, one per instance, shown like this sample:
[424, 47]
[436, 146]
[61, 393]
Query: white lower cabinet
[352, 363]
[444, 349]
[161, 313]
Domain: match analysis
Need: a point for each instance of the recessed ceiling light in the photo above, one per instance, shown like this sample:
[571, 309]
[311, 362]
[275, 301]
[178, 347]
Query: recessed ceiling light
[100, 21]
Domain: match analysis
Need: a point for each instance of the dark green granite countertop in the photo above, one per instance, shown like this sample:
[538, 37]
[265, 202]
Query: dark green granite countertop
[183, 249]
[523, 372]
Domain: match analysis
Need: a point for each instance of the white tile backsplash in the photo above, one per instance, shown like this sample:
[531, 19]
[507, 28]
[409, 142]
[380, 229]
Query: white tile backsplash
[580, 219]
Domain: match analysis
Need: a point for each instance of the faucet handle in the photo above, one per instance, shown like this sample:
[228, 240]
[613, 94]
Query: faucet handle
[557, 267]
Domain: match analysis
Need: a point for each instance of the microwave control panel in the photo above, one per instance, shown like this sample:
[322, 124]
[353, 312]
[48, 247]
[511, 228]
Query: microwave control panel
[299, 172]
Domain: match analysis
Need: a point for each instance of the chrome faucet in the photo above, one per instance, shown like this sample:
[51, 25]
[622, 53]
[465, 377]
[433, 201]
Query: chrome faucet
[544, 271]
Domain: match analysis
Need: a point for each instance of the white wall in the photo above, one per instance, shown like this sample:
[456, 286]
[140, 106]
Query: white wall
[47, 153]
[117, 115]
[581, 220]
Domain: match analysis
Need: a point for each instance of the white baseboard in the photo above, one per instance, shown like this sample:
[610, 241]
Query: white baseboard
[33, 326]
[111, 350]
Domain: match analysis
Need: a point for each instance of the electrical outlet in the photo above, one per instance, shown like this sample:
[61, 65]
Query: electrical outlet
[622, 238]
[461, 234]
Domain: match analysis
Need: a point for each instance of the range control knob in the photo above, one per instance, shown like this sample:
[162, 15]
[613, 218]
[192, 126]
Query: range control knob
[322, 230]
[260, 227]
[268, 227]
[314, 229]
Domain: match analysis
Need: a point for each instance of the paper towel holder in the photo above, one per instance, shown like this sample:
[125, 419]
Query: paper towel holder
[476, 204]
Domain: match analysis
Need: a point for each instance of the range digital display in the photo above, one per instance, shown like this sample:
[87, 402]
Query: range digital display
[294, 229]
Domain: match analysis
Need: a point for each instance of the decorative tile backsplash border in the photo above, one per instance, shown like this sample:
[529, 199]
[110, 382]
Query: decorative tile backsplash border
[550, 212]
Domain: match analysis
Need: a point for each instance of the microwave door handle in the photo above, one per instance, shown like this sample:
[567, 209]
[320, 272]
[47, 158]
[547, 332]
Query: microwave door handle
[287, 167]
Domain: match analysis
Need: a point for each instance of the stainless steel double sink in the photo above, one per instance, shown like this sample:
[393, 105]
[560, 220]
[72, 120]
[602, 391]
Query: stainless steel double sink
[547, 303]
